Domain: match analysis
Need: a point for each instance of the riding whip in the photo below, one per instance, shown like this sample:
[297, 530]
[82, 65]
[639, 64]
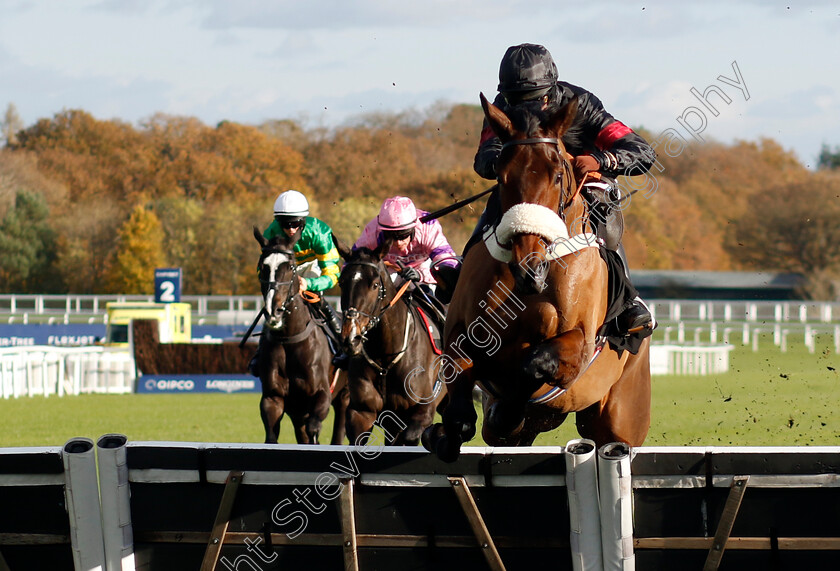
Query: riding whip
[444, 211]
[254, 324]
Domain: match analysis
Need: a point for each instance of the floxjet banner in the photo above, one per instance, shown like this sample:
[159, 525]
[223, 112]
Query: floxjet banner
[197, 384]
[63, 335]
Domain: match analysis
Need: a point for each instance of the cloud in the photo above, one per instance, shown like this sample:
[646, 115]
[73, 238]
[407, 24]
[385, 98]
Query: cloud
[102, 96]
[342, 15]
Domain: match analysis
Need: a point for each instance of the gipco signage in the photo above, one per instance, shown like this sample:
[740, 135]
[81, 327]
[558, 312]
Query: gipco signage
[197, 384]
[167, 285]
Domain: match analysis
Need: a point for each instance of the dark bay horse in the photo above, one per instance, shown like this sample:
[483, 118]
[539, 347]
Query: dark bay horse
[392, 354]
[526, 313]
[295, 370]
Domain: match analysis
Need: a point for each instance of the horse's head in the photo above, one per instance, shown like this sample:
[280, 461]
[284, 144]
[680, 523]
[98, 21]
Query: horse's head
[279, 281]
[536, 182]
[365, 290]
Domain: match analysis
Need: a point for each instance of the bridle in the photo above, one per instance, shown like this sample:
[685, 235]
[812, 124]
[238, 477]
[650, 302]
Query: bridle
[353, 313]
[565, 201]
[272, 286]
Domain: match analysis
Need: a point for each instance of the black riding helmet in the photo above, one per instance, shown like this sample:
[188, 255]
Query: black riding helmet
[527, 72]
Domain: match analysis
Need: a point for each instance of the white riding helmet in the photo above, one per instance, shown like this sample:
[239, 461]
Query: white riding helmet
[291, 203]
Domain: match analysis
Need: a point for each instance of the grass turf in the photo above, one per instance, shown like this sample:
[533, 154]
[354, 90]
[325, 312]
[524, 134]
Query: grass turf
[768, 398]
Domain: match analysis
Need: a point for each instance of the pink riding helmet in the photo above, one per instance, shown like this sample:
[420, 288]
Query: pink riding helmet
[397, 213]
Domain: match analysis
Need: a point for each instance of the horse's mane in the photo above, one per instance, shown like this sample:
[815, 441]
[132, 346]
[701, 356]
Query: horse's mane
[279, 244]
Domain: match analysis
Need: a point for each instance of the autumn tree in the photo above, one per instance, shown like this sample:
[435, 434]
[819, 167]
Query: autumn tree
[19, 172]
[797, 229]
[139, 251]
[86, 235]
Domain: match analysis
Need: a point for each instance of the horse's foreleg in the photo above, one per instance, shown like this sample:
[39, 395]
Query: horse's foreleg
[339, 404]
[558, 361]
[365, 402]
[623, 415]
[271, 412]
[421, 417]
[459, 418]
[359, 425]
[318, 410]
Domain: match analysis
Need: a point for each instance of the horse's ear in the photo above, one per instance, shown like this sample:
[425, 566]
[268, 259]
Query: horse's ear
[342, 248]
[383, 248]
[260, 238]
[563, 119]
[496, 118]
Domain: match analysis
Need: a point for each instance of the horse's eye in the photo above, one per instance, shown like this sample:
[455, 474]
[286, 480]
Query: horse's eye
[558, 178]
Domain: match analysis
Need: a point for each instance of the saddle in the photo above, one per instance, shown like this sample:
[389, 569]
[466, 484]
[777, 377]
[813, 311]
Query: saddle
[432, 312]
[316, 316]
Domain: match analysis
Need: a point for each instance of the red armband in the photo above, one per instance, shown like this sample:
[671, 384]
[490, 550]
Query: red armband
[610, 134]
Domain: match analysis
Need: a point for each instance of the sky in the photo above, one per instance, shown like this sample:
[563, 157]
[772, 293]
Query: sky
[325, 62]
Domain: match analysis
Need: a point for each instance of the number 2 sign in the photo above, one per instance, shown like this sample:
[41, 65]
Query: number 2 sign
[167, 285]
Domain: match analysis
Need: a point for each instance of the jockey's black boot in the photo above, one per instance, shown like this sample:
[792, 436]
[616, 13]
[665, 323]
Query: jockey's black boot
[636, 316]
[331, 317]
[340, 359]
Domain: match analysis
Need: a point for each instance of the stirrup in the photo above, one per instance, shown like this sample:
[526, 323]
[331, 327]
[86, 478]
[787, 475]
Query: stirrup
[635, 319]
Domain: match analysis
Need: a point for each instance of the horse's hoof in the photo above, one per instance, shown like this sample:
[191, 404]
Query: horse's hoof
[430, 436]
[447, 450]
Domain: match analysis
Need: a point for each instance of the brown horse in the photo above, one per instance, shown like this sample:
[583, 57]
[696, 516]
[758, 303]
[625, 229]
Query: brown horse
[526, 313]
[391, 352]
[295, 356]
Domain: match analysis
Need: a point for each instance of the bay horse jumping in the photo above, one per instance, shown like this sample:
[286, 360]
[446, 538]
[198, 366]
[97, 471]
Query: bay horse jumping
[525, 316]
[294, 354]
[391, 351]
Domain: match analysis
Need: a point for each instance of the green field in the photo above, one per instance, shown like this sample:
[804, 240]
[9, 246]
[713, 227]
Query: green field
[767, 398]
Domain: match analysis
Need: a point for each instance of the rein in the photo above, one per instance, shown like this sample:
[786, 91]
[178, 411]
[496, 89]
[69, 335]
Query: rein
[373, 320]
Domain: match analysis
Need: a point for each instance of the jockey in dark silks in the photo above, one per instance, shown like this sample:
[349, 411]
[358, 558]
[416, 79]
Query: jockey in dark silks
[597, 141]
[315, 254]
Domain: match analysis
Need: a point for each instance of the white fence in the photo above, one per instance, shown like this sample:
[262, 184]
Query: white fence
[749, 333]
[689, 360]
[46, 370]
[676, 310]
[18, 308]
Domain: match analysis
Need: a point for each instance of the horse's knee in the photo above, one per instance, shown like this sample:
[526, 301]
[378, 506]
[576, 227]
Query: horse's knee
[557, 362]
[503, 419]
[358, 424]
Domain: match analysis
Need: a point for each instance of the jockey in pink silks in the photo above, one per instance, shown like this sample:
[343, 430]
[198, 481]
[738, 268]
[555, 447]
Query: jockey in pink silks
[419, 248]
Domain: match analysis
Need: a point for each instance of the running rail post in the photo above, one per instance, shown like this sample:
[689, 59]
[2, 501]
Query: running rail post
[114, 498]
[616, 491]
[82, 496]
[584, 516]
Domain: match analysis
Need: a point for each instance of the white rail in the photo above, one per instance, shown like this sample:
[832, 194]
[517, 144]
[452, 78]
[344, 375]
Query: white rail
[47, 370]
[689, 360]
